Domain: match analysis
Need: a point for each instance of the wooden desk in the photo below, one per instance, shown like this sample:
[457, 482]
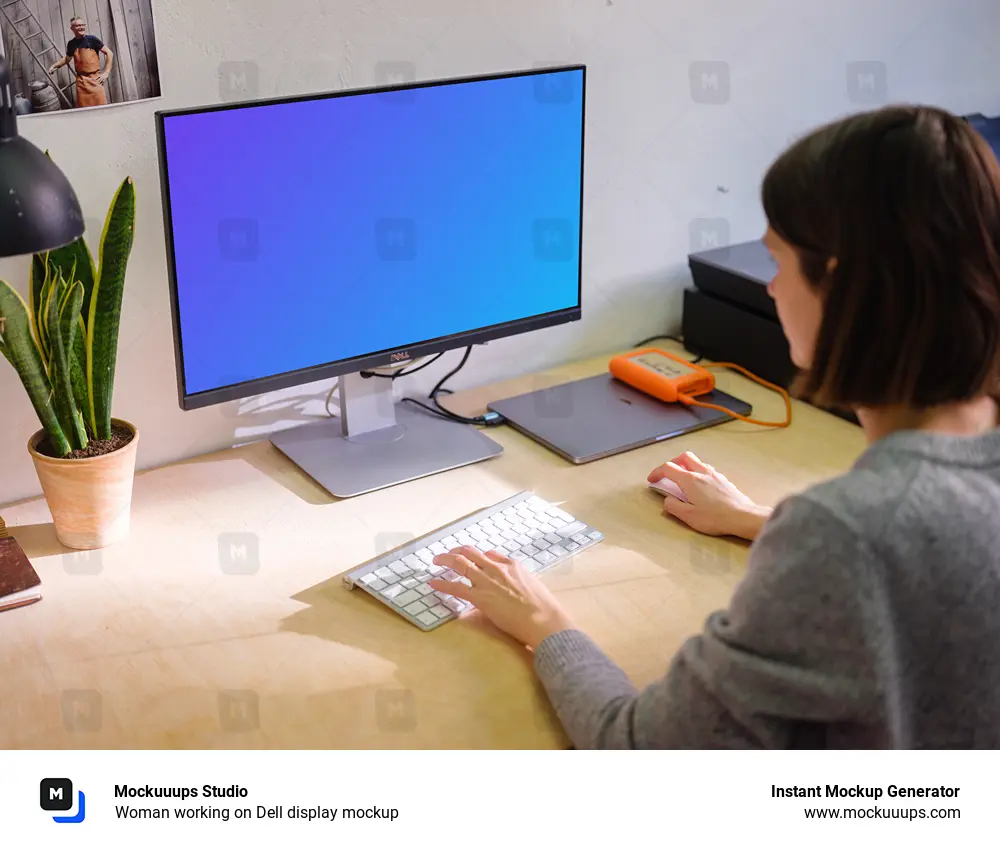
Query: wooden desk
[174, 639]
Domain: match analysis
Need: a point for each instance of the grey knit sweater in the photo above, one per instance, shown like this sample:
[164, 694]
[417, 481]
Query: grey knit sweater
[869, 617]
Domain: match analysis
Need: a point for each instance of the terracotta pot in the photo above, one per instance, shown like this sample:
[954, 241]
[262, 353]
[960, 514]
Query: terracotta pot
[90, 499]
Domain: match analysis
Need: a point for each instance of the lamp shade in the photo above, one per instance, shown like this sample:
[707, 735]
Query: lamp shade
[39, 210]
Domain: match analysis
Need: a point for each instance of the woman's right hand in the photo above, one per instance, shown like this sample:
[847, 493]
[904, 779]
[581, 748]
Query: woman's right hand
[714, 506]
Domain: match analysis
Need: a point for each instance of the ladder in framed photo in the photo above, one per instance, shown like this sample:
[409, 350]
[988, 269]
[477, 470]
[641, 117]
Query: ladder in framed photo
[15, 17]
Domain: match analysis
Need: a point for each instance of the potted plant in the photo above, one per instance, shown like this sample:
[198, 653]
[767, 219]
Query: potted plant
[63, 344]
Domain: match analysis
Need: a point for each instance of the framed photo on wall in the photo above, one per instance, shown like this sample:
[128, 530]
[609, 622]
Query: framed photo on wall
[69, 55]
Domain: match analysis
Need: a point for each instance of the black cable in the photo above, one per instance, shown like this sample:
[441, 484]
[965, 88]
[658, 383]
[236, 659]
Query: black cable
[489, 419]
[677, 339]
[403, 373]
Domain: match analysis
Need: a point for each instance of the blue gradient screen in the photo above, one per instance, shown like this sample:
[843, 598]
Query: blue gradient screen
[316, 231]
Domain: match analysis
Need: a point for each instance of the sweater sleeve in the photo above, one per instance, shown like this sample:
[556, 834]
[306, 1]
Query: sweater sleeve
[790, 656]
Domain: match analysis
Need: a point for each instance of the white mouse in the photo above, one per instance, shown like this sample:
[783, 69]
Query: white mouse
[668, 488]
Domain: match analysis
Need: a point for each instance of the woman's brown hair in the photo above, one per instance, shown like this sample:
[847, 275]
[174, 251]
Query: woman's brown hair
[907, 199]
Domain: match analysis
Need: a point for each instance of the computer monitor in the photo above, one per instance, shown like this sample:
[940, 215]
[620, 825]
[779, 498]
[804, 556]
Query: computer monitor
[323, 236]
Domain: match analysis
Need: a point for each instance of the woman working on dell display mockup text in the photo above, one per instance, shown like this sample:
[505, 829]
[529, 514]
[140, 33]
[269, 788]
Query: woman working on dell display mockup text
[870, 612]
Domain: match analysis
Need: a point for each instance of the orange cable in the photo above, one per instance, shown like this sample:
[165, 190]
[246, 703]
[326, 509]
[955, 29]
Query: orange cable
[686, 399]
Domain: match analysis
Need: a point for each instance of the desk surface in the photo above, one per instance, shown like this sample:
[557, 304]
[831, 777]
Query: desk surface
[173, 639]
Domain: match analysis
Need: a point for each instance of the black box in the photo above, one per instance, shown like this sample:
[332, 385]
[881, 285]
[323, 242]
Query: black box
[729, 316]
[988, 128]
[722, 331]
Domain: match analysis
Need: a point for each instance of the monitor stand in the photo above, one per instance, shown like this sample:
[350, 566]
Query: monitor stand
[376, 443]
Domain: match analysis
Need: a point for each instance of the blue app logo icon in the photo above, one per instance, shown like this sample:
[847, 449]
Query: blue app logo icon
[56, 795]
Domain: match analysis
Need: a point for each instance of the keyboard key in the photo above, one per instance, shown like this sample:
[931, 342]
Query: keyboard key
[435, 570]
[456, 605]
[427, 618]
[399, 568]
[523, 540]
[530, 551]
[420, 578]
[558, 551]
[541, 543]
[582, 539]
[426, 556]
[413, 562]
[424, 589]
[369, 579]
[465, 539]
[497, 540]
[532, 524]
[409, 583]
[571, 546]
[572, 528]
[478, 534]
[595, 535]
[405, 599]
[508, 535]
[437, 548]
[520, 528]
[545, 528]
[488, 527]
[415, 608]
[378, 584]
[544, 558]
[561, 514]
[440, 611]
[450, 575]
[501, 524]
[510, 513]
[449, 543]
[392, 591]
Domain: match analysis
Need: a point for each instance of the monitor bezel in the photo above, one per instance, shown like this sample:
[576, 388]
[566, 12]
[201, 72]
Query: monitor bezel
[371, 360]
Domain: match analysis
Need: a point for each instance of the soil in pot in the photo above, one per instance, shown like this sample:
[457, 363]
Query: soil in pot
[120, 436]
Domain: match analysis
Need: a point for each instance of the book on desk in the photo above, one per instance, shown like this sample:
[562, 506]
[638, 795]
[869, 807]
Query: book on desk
[19, 583]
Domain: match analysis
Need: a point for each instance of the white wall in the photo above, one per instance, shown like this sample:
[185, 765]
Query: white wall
[664, 171]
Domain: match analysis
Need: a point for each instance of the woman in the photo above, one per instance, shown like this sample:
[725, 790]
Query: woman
[870, 612]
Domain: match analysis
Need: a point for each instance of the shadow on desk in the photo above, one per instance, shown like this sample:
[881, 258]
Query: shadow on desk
[462, 686]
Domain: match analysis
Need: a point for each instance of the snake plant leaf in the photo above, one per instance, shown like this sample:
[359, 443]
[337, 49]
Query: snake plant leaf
[61, 327]
[70, 323]
[78, 367]
[105, 307]
[38, 313]
[75, 263]
[39, 271]
[23, 353]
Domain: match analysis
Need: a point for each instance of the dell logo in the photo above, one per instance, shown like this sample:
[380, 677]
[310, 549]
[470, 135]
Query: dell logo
[399, 356]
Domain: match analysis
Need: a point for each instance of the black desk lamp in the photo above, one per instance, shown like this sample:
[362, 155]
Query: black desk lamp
[39, 210]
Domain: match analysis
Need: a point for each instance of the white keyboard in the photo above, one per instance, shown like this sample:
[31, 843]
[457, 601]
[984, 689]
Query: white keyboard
[525, 528]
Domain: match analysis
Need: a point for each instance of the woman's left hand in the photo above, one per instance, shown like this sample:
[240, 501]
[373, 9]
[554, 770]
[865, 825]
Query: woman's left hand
[510, 597]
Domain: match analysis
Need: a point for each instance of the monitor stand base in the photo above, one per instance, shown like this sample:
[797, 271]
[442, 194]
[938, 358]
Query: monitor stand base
[377, 444]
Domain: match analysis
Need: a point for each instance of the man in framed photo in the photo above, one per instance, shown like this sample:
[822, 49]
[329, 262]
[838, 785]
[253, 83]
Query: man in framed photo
[84, 51]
